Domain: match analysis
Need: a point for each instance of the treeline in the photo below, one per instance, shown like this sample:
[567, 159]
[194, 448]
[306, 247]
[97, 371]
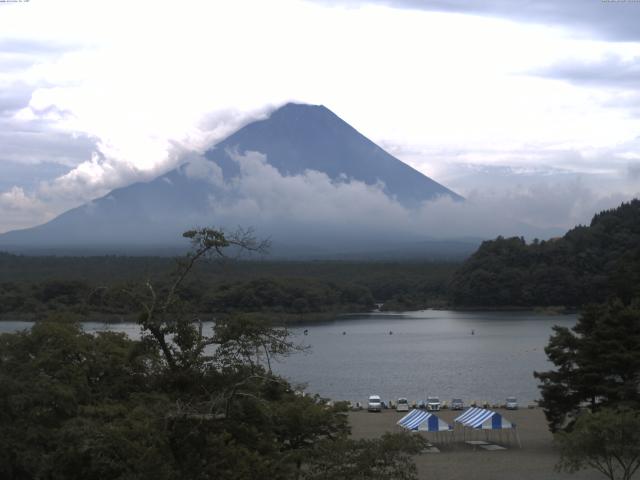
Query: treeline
[260, 295]
[35, 287]
[589, 264]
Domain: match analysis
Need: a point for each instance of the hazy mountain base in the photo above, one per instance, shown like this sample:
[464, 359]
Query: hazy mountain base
[439, 250]
[588, 264]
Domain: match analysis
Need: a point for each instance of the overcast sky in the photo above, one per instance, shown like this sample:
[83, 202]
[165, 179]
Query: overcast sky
[496, 99]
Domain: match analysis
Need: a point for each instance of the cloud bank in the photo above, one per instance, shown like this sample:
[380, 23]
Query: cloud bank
[610, 19]
[312, 207]
[91, 111]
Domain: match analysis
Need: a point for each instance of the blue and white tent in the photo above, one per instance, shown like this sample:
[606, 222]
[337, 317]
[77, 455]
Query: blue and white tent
[486, 420]
[483, 419]
[421, 421]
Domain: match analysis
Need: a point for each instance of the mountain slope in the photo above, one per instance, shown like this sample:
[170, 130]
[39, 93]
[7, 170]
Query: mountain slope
[298, 137]
[295, 139]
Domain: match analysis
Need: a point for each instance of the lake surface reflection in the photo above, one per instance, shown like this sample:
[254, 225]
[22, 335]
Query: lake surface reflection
[431, 352]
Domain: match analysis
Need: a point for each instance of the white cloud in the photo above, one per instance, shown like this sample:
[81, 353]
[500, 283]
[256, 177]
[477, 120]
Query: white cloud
[261, 193]
[311, 205]
[314, 209]
[496, 169]
[18, 209]
[542, 210]
[146, 81]
[201, 168]
[16, 198]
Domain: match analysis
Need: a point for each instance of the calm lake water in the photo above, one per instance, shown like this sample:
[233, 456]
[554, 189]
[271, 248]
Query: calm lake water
[430, 352]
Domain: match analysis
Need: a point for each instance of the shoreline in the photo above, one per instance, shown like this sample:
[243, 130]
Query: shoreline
[546, 310]
[290, 319]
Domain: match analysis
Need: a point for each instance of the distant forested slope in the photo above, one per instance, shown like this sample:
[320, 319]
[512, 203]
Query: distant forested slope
[589, 264]
[34, 287]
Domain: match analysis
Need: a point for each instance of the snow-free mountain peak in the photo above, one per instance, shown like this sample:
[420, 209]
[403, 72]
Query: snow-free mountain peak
[300, 148]
[299, 137]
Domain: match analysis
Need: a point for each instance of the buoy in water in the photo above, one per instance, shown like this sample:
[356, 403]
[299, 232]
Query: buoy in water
[344, 333]
[390, 332]
[473, 332]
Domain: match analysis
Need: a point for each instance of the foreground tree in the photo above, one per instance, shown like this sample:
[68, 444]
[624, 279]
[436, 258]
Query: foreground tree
[162, 316]
[176, 404]
[75, 405]
[597, 364]
[608, 441]
[388, 458]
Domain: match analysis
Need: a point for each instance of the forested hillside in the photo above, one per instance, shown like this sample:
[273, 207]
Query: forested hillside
[589, 264]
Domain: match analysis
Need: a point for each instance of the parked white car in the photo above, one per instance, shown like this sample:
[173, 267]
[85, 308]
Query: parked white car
[402, 405]
[433, 404]
[512, 403]
[374, 404]
[457, 404]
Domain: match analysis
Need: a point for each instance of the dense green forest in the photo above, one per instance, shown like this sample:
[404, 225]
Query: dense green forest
[34, 287]
[588, 264]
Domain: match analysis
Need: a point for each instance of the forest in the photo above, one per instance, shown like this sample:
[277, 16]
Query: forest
[95, 287]
[588, 264]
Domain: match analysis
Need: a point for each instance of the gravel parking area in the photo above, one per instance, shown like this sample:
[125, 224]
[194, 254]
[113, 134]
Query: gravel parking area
[460, 461]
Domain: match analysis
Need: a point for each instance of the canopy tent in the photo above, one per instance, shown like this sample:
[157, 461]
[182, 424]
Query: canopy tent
[487, 421]
[483, 419]
[421, 421]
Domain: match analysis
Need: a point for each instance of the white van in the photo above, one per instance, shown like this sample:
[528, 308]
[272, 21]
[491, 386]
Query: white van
[403, 405]
[374, 404]
[433, 404]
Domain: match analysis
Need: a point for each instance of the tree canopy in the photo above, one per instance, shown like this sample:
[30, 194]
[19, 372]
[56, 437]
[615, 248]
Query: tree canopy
[608, 441]
[178, 403]
[588, 264]
[597, 363]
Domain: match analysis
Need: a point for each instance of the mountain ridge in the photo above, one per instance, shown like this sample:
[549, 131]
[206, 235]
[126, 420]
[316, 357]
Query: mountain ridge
[294, 139]
[286, 122]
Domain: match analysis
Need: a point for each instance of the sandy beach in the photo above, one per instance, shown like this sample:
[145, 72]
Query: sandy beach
[458, 460]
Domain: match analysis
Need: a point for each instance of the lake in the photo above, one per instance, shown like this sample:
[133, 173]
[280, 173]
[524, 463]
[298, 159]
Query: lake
[430, 352]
